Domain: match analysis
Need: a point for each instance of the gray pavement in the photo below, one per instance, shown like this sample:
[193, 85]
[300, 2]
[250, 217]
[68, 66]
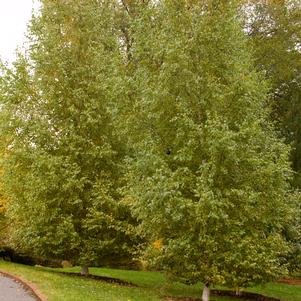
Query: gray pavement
[11, 290]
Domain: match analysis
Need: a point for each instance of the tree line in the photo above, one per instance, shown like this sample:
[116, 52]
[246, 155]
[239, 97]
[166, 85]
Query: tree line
[168, 129]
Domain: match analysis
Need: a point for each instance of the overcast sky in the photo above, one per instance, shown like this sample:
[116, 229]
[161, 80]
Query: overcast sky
[14, 17]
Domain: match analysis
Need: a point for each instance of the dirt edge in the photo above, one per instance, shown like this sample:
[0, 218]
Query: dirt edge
[100, 278]
[226, 293]
[244, 295]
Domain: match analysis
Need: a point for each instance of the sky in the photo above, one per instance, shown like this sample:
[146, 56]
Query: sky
[14, 17]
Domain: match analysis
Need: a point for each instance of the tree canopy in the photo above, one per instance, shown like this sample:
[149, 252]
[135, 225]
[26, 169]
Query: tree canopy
[64, 165]
[209, 179]
[154, 118]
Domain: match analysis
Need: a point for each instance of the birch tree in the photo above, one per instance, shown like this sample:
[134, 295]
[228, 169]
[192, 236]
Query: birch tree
[64, 168]
[209, 179]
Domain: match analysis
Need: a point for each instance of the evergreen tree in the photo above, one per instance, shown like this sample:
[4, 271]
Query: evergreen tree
[64, 167]
[209, 177]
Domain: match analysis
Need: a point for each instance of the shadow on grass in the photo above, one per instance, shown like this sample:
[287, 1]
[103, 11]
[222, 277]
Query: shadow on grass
[92, 277]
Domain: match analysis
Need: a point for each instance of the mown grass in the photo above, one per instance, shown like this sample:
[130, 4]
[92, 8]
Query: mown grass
[278, 290]
[58, 287]
[156, 281]
[151, 286]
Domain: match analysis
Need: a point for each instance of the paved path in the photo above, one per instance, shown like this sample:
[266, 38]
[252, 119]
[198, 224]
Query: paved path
[11, 290]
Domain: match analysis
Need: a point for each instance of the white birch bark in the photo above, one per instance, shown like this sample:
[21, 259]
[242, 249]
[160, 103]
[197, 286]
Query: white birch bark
[206, 293]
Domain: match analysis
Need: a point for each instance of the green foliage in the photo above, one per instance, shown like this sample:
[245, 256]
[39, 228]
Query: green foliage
[209, 175]
[64, 163]
[171, 88]
[274, 31]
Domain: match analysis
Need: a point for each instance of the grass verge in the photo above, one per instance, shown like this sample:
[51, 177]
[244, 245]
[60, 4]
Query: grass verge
[151, 285]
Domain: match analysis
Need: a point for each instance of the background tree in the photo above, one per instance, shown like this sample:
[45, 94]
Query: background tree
[274, 31]
[64, 166]
[3, 220]
[209, 175]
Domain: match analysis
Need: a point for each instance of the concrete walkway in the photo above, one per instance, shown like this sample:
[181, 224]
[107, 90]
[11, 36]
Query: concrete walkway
[11, 290]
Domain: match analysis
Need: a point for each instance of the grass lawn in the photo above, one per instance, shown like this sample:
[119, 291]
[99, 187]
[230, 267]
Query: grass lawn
[65, 288]
[151, 285]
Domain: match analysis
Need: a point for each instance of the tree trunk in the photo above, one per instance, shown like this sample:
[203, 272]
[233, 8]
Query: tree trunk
[206, 293]
[85, 270]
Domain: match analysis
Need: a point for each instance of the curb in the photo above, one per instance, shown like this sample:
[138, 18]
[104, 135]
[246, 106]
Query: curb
[32, 288]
